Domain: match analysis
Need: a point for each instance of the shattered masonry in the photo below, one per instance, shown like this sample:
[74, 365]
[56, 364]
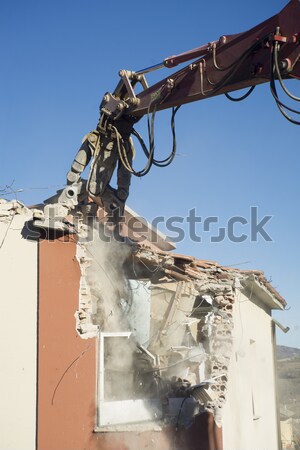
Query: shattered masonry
[9, 209]
[197, 296]
[216, 288]
[178, 316]
[191, 312]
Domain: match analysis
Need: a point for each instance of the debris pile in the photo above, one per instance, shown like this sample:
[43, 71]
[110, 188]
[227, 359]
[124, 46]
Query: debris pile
[179, 313]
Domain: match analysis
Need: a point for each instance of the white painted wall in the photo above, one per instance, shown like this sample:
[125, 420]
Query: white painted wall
[18, 307]
[250, 420]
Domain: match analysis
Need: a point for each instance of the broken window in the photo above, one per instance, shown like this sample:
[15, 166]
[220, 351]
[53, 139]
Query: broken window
[157, 370]
[118, 399]
[164, 344]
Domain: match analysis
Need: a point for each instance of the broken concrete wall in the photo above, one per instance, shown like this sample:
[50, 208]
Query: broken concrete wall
[170, 343]
[218, 328]
[68, 370]
[179, 310]
[104, 290]
[177, 316]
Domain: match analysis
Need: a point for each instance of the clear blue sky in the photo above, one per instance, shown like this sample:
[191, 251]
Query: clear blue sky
[60, 57]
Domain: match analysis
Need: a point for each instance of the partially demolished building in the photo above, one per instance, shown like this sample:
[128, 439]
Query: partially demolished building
[127, 345]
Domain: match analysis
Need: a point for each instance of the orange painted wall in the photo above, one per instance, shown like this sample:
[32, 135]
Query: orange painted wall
[67, 371]
[66, 393]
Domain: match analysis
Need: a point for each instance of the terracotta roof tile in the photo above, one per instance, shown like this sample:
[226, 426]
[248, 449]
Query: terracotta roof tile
[188, 268]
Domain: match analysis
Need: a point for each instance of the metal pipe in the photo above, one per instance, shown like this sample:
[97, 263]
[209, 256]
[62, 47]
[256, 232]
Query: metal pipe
[282, 327]
[172, 61]
[150, 69]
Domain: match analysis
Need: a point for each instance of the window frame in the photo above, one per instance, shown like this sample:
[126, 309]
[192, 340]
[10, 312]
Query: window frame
[111, 414]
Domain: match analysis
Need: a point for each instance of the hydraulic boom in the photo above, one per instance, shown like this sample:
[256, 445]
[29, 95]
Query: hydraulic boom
[269, 52]
[225, 65]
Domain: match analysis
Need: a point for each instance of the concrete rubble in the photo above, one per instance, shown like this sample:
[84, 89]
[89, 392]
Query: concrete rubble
[177, 310]
[191, 307]
[10, 209]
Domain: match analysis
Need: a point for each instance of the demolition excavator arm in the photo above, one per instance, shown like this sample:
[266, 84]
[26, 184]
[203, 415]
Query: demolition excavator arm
[269, 52]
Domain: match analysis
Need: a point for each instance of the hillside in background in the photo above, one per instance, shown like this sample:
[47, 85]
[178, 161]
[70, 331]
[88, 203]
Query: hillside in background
[288, 369]
[287, 352]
